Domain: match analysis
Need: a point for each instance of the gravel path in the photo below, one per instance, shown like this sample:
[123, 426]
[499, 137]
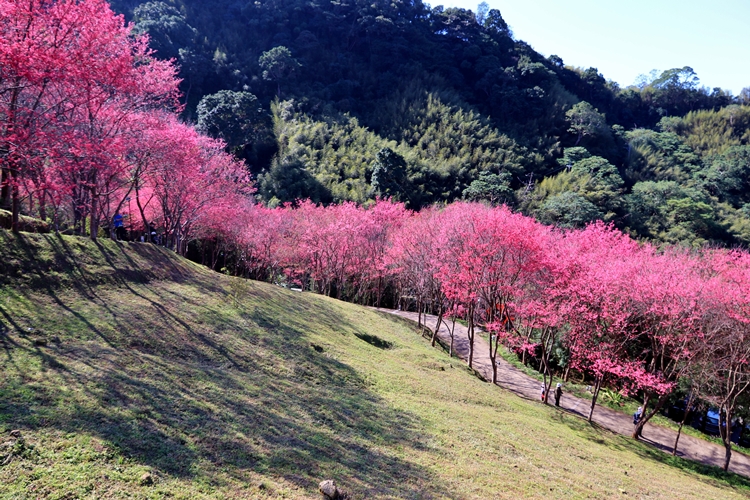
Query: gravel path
[521, 384]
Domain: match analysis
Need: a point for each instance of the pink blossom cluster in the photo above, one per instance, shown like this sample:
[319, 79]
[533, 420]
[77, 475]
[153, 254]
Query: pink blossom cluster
[88, 127]
[629, 315]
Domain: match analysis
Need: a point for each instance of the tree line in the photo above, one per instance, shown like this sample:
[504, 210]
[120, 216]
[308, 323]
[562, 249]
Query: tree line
[647, 321]
[310, 94]
[89, 126]
[318, 111]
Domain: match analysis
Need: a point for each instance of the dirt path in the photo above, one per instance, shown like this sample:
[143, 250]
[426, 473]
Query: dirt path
[516, 381]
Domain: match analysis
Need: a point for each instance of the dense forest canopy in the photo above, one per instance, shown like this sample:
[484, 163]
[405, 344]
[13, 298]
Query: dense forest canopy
[350, 100]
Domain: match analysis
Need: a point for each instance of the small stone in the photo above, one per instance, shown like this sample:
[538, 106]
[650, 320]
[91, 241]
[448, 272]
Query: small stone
[329, 490]
[15, 433]
[147, 479]
[40, 342]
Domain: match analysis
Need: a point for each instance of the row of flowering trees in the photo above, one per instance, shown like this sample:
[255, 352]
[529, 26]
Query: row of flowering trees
[88, 126]
[87, 122]
[629, 315]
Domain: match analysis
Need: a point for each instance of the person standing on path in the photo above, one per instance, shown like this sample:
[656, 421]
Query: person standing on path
[544, 390]
[119, 226]
[558, 394]
[637, 415]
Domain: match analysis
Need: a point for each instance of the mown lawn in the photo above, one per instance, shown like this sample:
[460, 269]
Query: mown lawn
[119, 360]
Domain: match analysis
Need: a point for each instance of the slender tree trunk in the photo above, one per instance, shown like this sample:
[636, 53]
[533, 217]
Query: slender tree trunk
[43, 205]
[453, 329]
[524, 358]
[547, 343]
[419, 313]
[493, 357]
[94, 215]
[725, 431]
[688, 405]
[544, 377]
[470, 333]
[142, 212]
[638, 430]
[437, 326]
[15, 201]
[5, 187]
[597, 386]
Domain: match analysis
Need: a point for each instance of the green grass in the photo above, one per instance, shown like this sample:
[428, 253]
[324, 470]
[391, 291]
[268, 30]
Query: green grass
[617, 402]
[122, 359]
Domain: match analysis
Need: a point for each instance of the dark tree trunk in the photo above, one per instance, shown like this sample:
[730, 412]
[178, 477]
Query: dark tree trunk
[15, 201]
[544, 378]
[725, 431]
[437, 325]
[453, 329]
[94, 215]
[688, 405]
[597, 386]
[470, 333]
[5, 188]
[638, 430]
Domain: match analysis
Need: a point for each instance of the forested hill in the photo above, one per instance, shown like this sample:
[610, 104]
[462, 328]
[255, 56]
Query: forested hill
[350, 99]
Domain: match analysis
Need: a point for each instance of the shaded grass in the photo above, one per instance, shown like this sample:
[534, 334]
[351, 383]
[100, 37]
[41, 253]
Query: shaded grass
[152, 364]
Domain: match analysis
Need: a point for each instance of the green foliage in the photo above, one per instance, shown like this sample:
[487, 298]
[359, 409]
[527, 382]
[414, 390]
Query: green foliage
[597, 186]
[711, 132]
[569, 210]
[677, 91]
[728, 176]
[278, 65]
[493, 188]
[238, 119]
[455, 139]
[453, 93]
[157, 372]
[666, 211]
[167, 28]
[586, 121]
[442, 149]
[573, 155]
[611, 397]
[656, 156]
[389, 179]
[327, 161]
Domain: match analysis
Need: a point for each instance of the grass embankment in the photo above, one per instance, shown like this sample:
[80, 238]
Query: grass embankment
[612, 400]
[118, 360]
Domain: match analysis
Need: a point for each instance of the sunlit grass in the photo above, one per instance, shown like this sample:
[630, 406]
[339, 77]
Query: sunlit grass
[128, 360]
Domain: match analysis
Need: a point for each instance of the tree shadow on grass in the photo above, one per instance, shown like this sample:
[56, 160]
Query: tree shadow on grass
[192, 408]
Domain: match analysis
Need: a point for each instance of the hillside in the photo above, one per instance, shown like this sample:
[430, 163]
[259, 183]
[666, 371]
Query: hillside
[122, 360]
[314, 96]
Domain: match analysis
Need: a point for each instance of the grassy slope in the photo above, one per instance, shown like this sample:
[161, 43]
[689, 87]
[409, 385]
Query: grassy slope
[151, 365]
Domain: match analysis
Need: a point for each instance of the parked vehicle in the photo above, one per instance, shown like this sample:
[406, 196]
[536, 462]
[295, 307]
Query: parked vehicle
[677, 411]
[708, 422]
